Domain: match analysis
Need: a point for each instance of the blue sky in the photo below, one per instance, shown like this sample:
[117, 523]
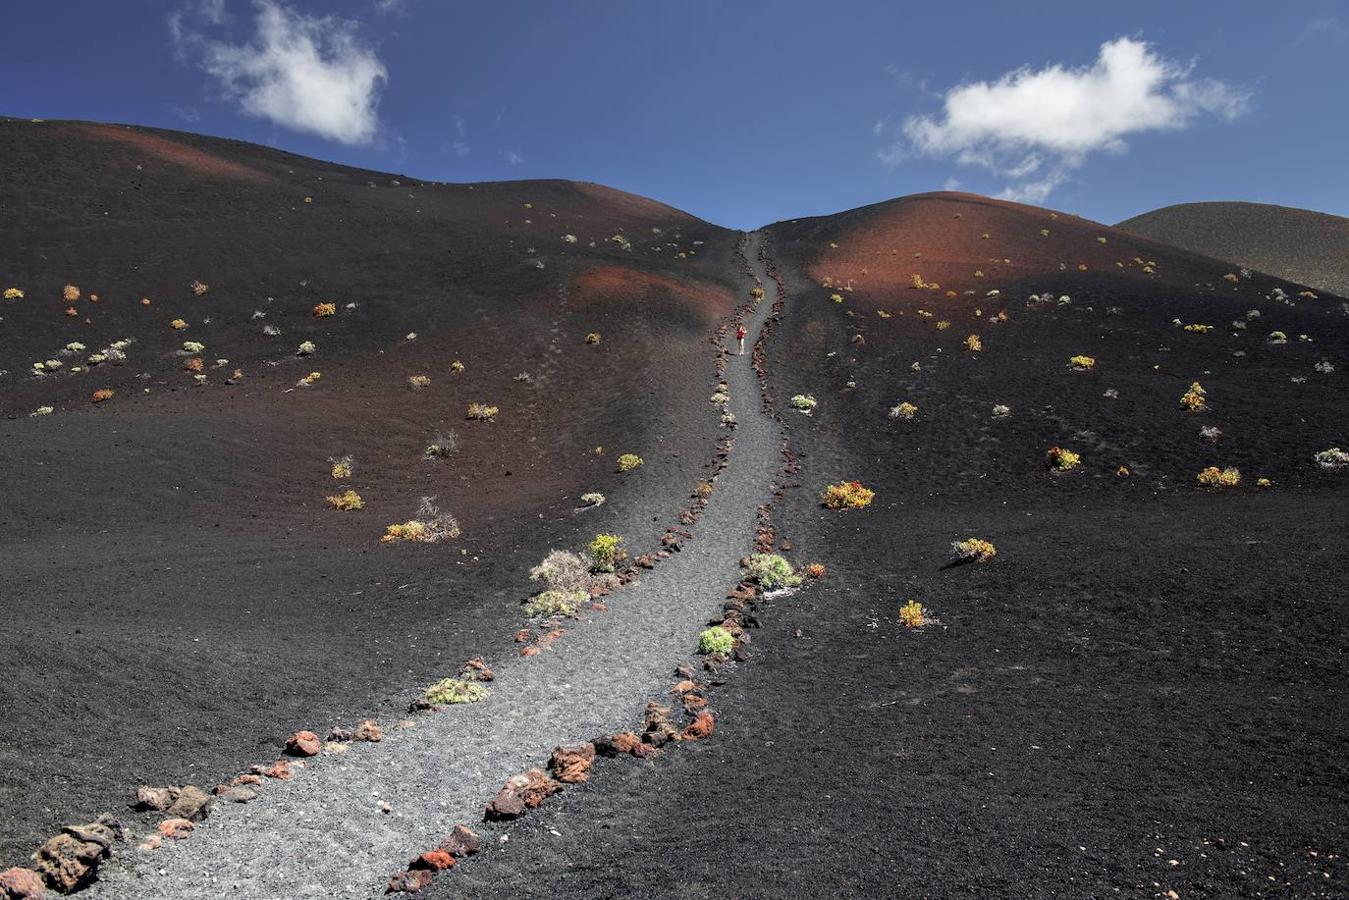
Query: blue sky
[741, 112]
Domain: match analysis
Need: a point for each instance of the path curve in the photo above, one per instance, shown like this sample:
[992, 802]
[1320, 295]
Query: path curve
[323, 835]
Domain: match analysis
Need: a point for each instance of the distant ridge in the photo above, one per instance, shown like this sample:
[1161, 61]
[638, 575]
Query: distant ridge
[1299, 245]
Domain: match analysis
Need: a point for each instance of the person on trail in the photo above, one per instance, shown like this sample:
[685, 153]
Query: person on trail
[740, 337]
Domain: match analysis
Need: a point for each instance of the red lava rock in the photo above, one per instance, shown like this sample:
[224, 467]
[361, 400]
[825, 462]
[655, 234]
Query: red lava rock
[279, 770]
[339, 735]
[599, 607]
[521, 792]
[192, 803]
[176, 829]
[435, 860]
[646, 561]
[303, 743]
[523, 635]
[644, 751]
[530, 651]
[21, 884]
[368, 731]
[246, 779]
[461, 842]
[684, 687]
[476, 670]
[693, 703]
[153, 842]
[684, 671]
[410, 882]
[742, 593]
[571, 764]
[617, 744]
[156, 798]
[702, 726]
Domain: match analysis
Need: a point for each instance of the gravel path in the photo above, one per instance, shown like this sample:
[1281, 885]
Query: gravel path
[324, 834]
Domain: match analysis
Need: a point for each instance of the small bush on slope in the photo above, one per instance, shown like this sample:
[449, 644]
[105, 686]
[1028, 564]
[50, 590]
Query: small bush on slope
[1219, 478]
[563, 571]
[606, 551]
[427, 527]
[770, 572]
[848, 495]
[455, 690]
[716, 640]
[555, 603]
[347, 500]
[973, 550]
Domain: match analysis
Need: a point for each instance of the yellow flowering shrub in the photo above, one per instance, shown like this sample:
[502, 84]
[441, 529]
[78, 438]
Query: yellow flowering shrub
[1220, 478]
[1062, 460]
[848, 495]
[912, 614]
[629, 461]
[1083, 363]
[974, 550]
[347, 500]
[482, 412]
[1193, 399]
[324, 310]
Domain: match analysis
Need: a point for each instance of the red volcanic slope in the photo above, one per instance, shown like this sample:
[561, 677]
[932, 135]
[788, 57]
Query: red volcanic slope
[948, 238]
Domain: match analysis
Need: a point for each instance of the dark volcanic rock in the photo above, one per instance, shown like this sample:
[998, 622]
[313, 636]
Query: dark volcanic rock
[192, 803]
[70, 860]
[461, 842]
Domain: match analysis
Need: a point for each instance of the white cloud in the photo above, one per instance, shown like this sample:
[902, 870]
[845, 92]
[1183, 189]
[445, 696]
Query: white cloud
[306, 73]
[513, 157]
[1034, 126]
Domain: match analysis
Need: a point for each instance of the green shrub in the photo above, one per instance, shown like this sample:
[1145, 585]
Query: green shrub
[804, 402]
[716, 640]
[606, 551]
[555, 603]
[455, 690]
[770, 572]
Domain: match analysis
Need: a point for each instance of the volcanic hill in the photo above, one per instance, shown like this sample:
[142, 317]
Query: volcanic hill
[1298, 244]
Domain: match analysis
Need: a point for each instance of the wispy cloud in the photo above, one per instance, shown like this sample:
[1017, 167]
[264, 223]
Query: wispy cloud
[1036, 126]
[1331, 27]
[513, 157]
[306, 73]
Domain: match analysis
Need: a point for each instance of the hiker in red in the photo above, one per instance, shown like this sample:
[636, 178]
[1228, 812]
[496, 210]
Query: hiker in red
[740, 336]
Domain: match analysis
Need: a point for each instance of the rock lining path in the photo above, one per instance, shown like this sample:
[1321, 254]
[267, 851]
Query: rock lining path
[323, 835]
